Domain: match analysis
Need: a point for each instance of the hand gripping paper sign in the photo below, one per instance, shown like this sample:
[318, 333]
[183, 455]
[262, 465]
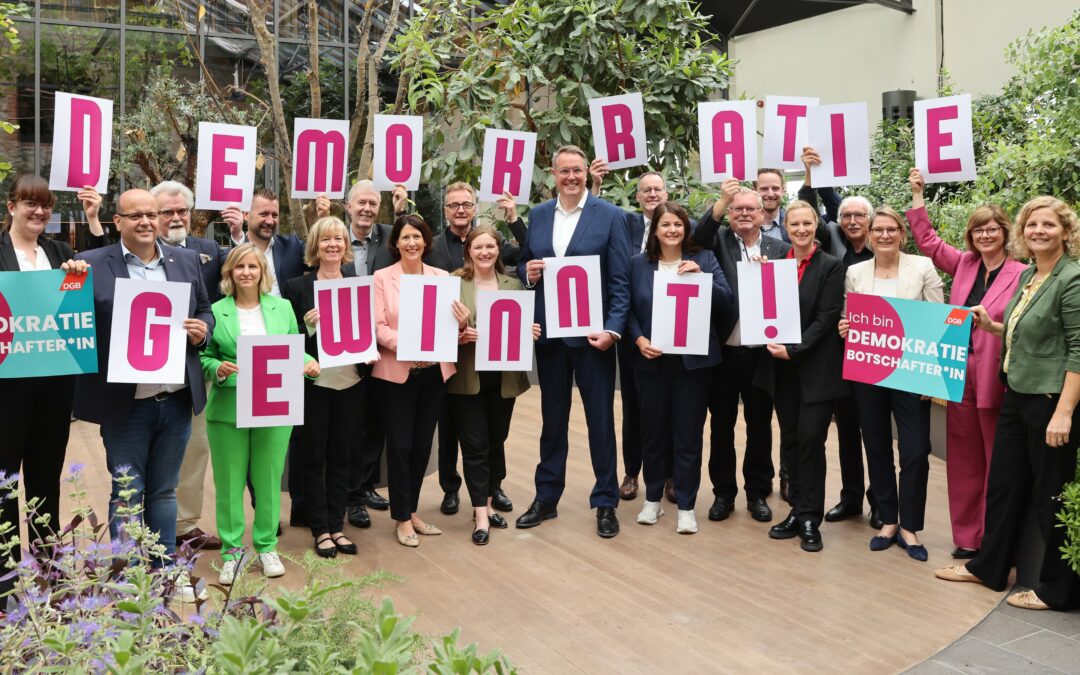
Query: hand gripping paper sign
[572, 301]
[682, 306]
[47, 324]
[944, 145]
[346, 321]
[148, 343]
[504, 330]
[82, 143]
[226, 166]
[786, 131]
[427, 328]
[269, 380]
[397, 151]
[618, 126]
[509, 158]
[920, 347]
[320, 158]
[841, 135]
[728, 133]
[769, 302]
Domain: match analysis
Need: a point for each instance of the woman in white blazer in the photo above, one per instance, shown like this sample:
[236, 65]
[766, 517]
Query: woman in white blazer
[892, 273]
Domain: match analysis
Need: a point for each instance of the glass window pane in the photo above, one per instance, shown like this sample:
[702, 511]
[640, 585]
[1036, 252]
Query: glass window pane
[151, 53]
[17, 101]
[162, 13]
[293, 19]
[100, 11]
[231, 16]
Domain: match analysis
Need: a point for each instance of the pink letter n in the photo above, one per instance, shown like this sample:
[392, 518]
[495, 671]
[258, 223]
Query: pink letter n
[511, 310]
[580, 278]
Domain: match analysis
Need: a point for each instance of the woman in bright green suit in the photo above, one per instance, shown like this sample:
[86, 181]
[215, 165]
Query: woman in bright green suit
[247, 309]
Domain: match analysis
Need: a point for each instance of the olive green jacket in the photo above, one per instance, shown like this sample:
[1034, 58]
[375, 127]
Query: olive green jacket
[466, 380]
[1046, 339]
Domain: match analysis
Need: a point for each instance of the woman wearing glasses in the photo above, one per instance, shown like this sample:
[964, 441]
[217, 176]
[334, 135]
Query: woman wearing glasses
[984, 275]
[894, 274]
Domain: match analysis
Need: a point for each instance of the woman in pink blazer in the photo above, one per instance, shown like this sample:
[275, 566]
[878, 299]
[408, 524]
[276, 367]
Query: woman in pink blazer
[984, 275]
[411, 391]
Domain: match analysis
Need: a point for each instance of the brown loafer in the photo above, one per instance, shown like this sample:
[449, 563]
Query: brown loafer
[628, 489]
[199, 541]
[1026, 600]
[669, 490]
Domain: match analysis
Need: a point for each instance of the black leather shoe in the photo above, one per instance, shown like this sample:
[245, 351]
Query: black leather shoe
[720, 509]
[843, 511]
[607, 525]
[450, 503]
[537, 513]
[785, 530]
[498, 521]
[875, 519]
[358, 516]
[374, 500]
[965, 553]
[500, 502]
[784, 491]
[328, 552]
[759, 509]
[811, 537]
[480, 537]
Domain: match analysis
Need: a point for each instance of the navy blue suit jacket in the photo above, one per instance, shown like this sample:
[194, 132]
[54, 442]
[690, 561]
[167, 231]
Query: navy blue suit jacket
[641, 294]
[211, 259]
[101, 402]
[288, 252]
[601, 230]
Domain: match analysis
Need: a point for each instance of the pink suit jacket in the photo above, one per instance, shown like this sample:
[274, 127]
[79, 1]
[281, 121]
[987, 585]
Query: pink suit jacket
[387, 306]
[964, 268]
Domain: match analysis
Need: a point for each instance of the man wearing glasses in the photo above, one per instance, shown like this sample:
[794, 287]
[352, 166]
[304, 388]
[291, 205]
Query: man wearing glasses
[733, 378]
[844, 232]
[284, 253]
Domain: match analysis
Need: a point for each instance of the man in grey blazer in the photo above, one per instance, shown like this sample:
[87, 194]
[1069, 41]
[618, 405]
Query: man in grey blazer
[733, 378]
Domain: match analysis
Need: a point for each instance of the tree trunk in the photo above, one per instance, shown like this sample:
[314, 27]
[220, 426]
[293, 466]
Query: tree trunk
[363, 53]
[373, 106]
[313, 59]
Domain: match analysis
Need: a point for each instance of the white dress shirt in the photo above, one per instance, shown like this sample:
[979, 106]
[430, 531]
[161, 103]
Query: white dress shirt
[645, 234]
[40, 261]
[565, 223]
[747, 254]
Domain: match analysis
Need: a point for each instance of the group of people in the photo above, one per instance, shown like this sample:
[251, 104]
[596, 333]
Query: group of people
[1012, 434]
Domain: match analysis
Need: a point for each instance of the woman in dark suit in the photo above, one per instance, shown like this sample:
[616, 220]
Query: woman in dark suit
[36, 414]
[331, 402]
[481, 403]
[804, 379]
[1039, 426]
[672, 389]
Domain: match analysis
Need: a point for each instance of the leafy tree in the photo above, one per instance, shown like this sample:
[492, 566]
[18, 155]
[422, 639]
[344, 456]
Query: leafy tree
[9, 34]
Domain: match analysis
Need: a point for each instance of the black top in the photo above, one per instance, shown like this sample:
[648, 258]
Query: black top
[851, 257]
[456, 246]
[982, 282]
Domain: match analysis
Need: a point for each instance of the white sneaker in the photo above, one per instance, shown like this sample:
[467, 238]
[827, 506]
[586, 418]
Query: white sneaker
[185, 592]
[687, 523]
[650, 512]
[271, 564]
[228, 572]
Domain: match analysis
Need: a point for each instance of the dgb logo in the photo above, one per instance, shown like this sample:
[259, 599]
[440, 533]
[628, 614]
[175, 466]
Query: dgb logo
[956, 317]
[73, 282]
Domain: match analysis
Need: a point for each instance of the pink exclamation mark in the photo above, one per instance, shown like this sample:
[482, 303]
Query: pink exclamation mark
[768, 298]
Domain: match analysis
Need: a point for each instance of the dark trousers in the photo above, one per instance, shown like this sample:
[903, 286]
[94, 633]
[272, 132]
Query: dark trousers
[367, 447]
[804, 426]
[1024, 466]
[483, 423]
[411, 411]
[330, 425]
[673, 402]
[36, 419]
[878, 406]
[631, 413]
[449, 478]
[849, 439]
[733, 379]
[558, 365]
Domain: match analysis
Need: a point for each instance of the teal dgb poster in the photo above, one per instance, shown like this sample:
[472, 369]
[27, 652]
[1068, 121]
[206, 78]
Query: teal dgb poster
[46, 324]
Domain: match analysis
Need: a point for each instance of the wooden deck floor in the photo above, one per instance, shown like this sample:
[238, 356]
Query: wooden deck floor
[558, 599]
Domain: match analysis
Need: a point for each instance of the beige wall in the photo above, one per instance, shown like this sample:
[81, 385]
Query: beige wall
[857, 53]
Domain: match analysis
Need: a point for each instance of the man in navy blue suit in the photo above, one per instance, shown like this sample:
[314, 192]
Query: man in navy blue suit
[576, 224]
[284, 253]
[146, 426]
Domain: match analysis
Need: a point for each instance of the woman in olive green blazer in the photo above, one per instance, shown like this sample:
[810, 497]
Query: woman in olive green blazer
[247, 309]
[1039, 428]
[482, 403]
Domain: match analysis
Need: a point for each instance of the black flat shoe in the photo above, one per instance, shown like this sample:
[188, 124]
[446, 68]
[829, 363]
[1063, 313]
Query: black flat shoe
[537, 513]
[450, 503]
[965, 553]
[480, 537]
[842, 511]
[607, 525]
[330, 552]
[500, 502]
[498, 521]
[348, 547]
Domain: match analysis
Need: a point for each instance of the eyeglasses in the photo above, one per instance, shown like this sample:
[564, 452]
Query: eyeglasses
[854, 215]
[882, 231]
[468, 206]
[174, 213]
[990, 231]
[32, 205]
[744, 209]
[650, 191]
[571, 172]
[139, 215]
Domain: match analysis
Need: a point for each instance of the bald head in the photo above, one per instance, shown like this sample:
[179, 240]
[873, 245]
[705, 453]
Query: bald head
[136, 221]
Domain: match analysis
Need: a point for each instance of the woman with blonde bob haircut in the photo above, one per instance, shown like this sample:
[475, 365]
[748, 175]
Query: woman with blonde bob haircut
[332, 402]
[247, 308]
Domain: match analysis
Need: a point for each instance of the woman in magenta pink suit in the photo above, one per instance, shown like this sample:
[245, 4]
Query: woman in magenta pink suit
[984, 275]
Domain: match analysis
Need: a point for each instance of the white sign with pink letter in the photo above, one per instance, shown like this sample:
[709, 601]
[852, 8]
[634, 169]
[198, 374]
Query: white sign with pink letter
[269, 380]
[82, 143]
[148, 343]
[677, 298]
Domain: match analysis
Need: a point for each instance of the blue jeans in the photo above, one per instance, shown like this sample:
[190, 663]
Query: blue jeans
[151, 441]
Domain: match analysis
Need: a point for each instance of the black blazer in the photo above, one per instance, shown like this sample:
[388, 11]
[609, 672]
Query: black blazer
[819, 358]
[56, 251]
[439, 255]
[300, 292]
